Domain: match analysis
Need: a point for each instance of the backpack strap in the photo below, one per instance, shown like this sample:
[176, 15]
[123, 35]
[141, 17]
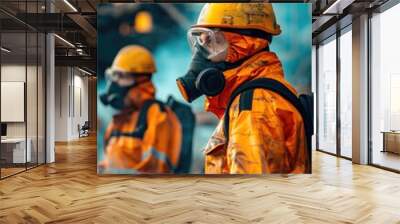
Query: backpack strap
[277, 87]
[141, 124]
[187, 120]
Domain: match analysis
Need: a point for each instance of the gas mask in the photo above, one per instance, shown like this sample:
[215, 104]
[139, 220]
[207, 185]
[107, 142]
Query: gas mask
[115, 95]
[203, 78]
[210, 50]
[205, 75]
[118, 86]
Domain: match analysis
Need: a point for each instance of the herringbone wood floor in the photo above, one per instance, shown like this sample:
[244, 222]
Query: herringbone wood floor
[69, 191]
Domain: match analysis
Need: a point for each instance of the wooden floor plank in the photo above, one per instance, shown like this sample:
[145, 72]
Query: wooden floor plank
[69, 191]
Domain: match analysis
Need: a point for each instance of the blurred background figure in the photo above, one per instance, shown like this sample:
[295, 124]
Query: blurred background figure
[162, 28]
[145, 135]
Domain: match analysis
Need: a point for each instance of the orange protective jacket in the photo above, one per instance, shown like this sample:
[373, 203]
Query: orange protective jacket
[267, 137]
[157, 151]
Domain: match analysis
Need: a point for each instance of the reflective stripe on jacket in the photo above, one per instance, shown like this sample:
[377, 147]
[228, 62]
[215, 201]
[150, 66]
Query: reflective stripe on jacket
[153, 150]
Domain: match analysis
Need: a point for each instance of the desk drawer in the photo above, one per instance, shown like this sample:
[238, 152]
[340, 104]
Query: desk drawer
[392, 142]
[15, 153]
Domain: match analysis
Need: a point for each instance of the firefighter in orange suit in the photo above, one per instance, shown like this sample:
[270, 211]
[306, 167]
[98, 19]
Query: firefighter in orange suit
[230, 45]
[140, 142]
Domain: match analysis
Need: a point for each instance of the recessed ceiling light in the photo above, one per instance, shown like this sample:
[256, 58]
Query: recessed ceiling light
[84, 71]
[5, 50]
[337, 7]
[70, 5]
[64, 40]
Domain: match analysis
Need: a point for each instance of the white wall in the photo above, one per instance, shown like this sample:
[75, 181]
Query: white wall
[71, 94]
[61, 103]
[80, 102]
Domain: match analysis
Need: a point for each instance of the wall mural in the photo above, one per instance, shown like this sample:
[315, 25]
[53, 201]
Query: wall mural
[216, 88]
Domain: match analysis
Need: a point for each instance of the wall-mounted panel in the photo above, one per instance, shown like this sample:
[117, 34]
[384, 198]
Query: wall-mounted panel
[12, 101]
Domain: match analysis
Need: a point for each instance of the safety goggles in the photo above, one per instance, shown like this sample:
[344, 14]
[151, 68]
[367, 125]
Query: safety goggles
[123, 79]
[212, 41]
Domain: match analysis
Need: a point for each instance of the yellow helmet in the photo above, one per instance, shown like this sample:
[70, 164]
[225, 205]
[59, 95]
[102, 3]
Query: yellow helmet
[259, 16]
[134, 59]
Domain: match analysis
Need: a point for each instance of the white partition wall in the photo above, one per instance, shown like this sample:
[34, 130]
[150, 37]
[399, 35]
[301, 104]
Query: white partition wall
[22, 94]
[14, 144]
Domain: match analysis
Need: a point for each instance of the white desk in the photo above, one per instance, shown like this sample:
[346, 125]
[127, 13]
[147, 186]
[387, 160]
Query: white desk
[18, 150]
